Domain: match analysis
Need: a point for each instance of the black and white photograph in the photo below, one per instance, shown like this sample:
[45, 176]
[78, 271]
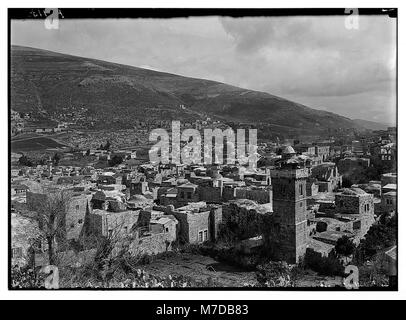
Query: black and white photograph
[203, 149]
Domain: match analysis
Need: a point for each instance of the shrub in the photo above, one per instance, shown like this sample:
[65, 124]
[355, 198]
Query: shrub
[326, 266]
[275, 274]
[25, 277]
[345, 246]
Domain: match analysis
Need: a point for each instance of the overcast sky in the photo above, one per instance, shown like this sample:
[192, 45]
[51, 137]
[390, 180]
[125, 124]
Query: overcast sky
[311, 60]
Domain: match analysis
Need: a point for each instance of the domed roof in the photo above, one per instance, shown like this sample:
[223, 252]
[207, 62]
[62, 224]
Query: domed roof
[182, 181]
[353, 191]
[138, 197]
[217, 176]
[288, 150]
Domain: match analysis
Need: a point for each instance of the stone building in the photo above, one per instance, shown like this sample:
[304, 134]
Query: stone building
[113, 200]
[139, 187]
[288, 236]
[357, 205]
[261, 195]
[246, 217]
[388, 202]
[25, 235]
[354, 201]
[388, 154]
[306, 148]
[347, 165]
[156, 236]
[312, 188]
[327, 177]
[168, 196]
[198, 222]
[323, 151]
[78, 208]
[111, 224]
[109, 178]
[389, 178]
[187, 192]
[219, 191]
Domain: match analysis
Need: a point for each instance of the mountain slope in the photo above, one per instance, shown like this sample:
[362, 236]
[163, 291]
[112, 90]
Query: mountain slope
[372, 125]
[50, 84]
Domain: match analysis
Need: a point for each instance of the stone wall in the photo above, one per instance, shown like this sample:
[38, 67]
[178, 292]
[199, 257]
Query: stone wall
[244, 217]
[216, 218]
[210, 194]
[388, 202]
[357, 204]
[388, 178]
[78, 207]
[258, 195]
[325, 186]
[103, 223]
[154, 243]
[191, 223]
[198, 222]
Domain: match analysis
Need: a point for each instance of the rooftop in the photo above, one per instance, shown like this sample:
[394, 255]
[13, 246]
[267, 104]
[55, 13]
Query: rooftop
[353, 191]
[392, 186]
[288, 150]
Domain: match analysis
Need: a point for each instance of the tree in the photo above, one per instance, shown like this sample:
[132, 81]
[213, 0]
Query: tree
[326, 266]
[275, 274]
[115, 161]
[51, 218]
[56, 158]
[24, 161]
[381, 235]
[344, 246]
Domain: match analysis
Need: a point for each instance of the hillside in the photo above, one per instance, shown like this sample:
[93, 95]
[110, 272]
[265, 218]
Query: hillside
[372, 125]
[51, 85]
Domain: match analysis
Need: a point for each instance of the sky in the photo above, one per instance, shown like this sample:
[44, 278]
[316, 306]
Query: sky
[315, 61]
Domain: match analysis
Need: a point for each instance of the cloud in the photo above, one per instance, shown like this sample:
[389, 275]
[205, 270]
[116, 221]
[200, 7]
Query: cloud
[318, 56]
[312, 60]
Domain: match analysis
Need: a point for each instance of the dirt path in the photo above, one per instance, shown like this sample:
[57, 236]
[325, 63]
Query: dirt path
[201, 268]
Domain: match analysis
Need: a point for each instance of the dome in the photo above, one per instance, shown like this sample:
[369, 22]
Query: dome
[288, 150]
[217, 176]
[138, 197]
[353, 191]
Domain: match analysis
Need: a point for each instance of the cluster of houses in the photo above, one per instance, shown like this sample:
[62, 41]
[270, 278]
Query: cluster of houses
[294, 205]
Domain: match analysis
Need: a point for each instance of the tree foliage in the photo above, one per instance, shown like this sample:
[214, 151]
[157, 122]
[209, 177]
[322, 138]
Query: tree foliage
[25, 277]
[51, 218]
[275, 274]
[345, 246]
[381, 235]
[25, 161]
[326, 266]
[116, 160]
[56, 158]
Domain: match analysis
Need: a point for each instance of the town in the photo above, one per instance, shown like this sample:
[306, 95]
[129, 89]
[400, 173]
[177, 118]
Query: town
[108, 216]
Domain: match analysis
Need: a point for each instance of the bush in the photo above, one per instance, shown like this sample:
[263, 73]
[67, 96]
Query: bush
[115, 161]
[275, 274]
[25, 277]
[326, 266]
[381, 235]
[345, 246]
[24, 161]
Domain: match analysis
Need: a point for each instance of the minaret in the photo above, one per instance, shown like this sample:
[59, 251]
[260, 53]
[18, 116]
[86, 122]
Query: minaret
[49, 165]
[288, 237]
